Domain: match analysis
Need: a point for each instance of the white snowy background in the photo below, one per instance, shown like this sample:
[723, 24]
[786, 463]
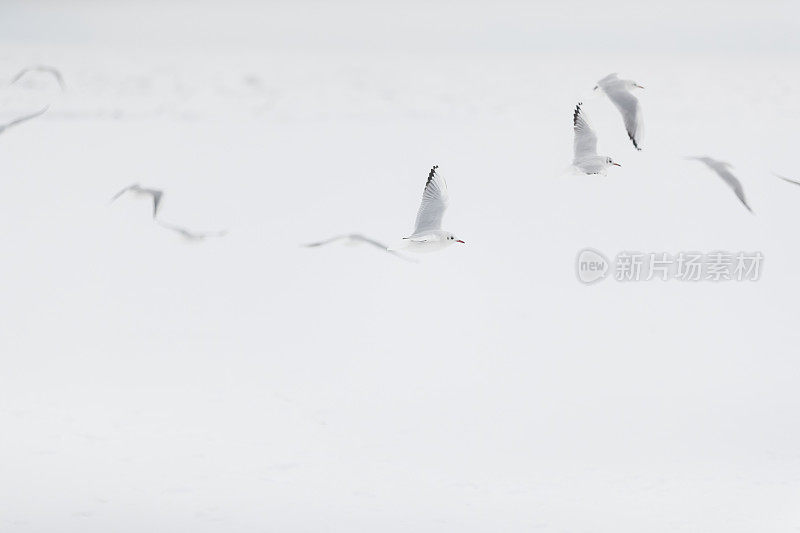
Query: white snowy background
[249, 384]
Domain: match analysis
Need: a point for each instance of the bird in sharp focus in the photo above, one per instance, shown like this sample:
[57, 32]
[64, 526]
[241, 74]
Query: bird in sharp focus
[585, 145]
[428, 234]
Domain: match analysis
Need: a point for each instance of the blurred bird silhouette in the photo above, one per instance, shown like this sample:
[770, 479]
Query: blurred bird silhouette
[143, 192]
[722, 169]
[20, 120]
[357, 238]
[41, 68]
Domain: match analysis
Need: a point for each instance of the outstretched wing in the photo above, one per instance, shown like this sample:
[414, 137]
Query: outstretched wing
[722, 169]
[734, 183]
[326, 241]
[22, 119]
[41, 68]
[790, 180]
[628, 105]
[434, 203]
[123, 191]
[585, 138]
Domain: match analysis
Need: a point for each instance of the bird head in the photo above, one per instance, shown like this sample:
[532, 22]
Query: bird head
[453, 238]
[610, 162]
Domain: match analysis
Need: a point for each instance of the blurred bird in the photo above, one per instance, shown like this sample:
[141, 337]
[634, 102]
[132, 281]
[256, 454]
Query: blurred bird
[585, 145]
[41, 68]
[428, 235]
[619, 92]
[141, 192]
[723, 171]
[790, 180]
[192, 236]
[356, 238]
[20, 120]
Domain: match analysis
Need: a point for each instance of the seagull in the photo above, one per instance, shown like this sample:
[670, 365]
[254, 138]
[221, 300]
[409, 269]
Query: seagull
[41, 68]
[192, 236]
[586, 158]
[140, 191]
[22, 119]
[790, 180]
[355, 238]
[428, 235]
[723, 171]
[619, 92]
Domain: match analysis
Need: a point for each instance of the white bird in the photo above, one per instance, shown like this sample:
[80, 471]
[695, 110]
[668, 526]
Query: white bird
[619, 92]
[723, 171]
[41, 68]
[20, 120]
[189, 235]
[428, 235]
[585, 145]
[356, 238]
[140, 191]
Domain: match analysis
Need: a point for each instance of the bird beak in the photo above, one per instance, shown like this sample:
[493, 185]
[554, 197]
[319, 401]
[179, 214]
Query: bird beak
[459, 240]
[637, 85]
[616, 164]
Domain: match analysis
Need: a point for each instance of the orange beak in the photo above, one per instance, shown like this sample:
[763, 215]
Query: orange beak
[616, 164]
[459, 240]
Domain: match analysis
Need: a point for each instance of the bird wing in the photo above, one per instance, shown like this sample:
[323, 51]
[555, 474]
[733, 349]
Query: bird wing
[628, 105]
[585, 138]
[734, 183]
[23, 119]
[41, 68]
[608, 80]
[434, 203]
[790, 180]
[364, 238]
[123, 191]
[721, 168]
[179, 229]
[326, 241]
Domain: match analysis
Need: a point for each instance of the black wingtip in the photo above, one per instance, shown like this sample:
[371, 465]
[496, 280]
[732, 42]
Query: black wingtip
[431, 174]
[576, 114]
[635, 144]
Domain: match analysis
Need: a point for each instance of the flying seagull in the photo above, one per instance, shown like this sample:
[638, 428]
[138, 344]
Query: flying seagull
[619, 92]
[428, 235]
[20, 120]
[189, 235]
[140, 191]
[586, 159]
[723, 171]
[41, 68]
[790, 180]
[356, 238]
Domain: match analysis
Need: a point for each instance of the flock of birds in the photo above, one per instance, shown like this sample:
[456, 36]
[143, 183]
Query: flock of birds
[428, 235]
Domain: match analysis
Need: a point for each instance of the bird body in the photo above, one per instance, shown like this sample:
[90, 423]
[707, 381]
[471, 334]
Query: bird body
[431, 241]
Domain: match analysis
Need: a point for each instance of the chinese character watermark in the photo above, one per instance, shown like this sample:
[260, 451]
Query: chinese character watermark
[717, 266]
